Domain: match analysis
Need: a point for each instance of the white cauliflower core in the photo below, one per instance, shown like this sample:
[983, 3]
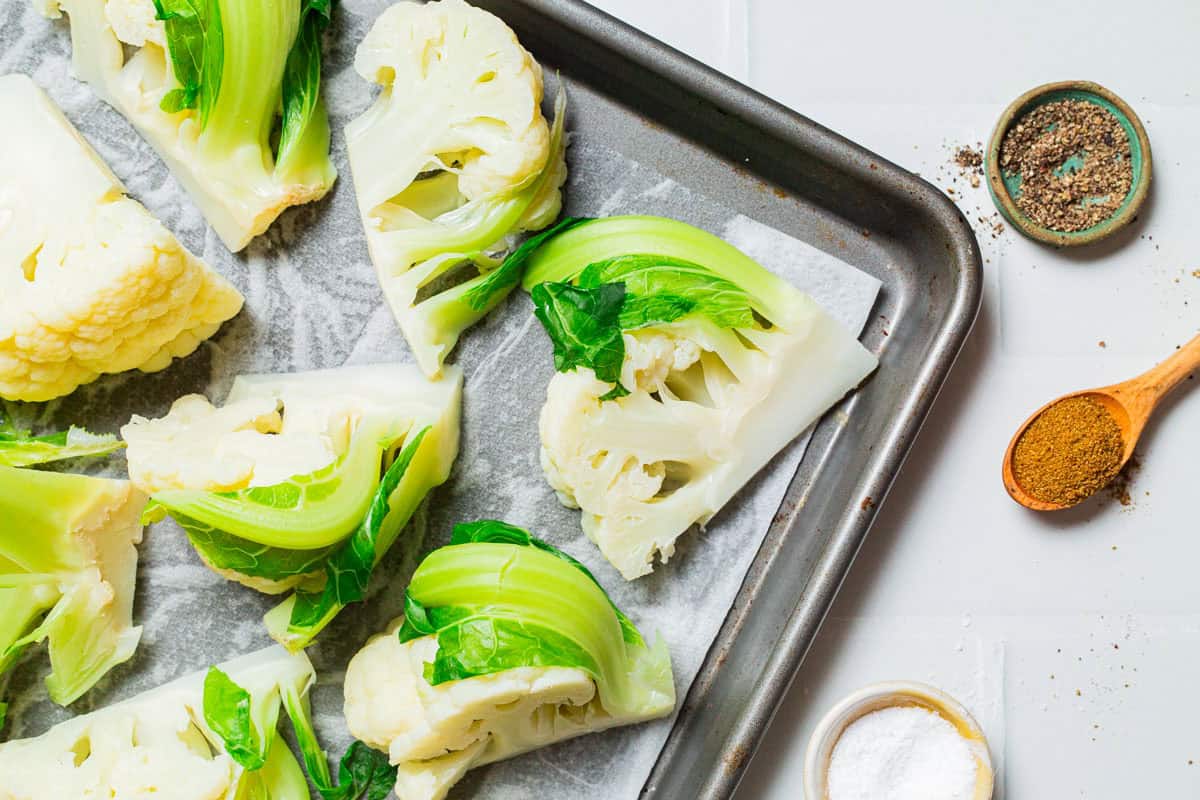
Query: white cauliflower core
[274, 427]
[452, 160]
[68, 565]
[244, 443]
[234, 187]
[434, 734]
[705, 412]
[155, 746]
[90, 283]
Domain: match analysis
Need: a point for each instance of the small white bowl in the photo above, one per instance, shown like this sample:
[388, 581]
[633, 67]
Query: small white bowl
[886, 695]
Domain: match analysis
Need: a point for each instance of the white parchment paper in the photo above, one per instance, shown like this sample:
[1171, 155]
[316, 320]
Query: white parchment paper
[312, 301]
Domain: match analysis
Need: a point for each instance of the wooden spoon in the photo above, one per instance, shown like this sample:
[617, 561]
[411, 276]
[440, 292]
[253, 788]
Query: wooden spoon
[1131, 403]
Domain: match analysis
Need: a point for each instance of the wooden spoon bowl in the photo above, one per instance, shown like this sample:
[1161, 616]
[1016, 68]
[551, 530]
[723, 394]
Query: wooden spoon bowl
[1130, 403]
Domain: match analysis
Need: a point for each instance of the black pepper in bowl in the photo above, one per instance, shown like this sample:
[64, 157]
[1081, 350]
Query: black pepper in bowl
[1074, 160]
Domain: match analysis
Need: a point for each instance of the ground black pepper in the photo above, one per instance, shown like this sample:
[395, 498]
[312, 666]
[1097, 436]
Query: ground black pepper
[970, 164]
[1074, 161]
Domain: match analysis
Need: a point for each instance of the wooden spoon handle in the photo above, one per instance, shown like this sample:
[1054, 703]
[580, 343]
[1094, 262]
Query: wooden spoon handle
[1154, 384]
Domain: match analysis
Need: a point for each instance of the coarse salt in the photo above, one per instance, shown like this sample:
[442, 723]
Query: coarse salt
[901, 753]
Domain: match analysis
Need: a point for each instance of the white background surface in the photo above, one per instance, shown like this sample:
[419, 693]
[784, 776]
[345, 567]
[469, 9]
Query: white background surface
[1074, 638]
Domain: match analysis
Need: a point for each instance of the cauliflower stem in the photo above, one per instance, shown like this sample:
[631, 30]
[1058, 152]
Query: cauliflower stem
[227, 92]
[67, 568]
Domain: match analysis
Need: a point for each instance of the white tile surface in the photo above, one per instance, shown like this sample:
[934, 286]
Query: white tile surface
[952, 52]
[1102, 598]
[699, 28]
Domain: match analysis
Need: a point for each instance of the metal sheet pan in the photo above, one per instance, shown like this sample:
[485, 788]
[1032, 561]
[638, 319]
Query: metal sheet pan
[708, 134]
[714, 135]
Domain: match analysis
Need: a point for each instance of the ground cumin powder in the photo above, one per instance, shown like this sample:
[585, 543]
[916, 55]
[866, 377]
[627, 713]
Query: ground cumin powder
[1072, 450]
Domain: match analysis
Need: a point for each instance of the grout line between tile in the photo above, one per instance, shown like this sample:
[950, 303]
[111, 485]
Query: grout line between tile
[736, 53]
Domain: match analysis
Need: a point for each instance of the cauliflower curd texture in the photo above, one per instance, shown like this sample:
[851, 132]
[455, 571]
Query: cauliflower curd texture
[152, 754]
[461, 94]
[451, 162]
[700, 420]
[90, 283]
[275, 427]
[435, 734]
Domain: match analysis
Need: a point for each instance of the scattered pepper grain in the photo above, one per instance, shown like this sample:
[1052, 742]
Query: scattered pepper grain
[1121, 487]
[969, 158]
[1074, 161]
[1069, 452]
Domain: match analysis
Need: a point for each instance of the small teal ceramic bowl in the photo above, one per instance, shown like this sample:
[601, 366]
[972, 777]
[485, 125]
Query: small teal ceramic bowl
[1006, 186]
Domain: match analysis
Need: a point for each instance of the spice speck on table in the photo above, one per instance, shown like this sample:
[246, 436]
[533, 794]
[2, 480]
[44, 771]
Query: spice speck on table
[1070, 451]
[969, 158]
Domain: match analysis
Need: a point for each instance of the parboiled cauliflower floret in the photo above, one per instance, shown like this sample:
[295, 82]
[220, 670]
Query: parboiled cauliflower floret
[244, 443]
[460, 93]
[684, 367]
[434, 734]
[157, 745]
[326, 443]
[613, 455]
[650, 356]
[250, 441]
[645, 467]
[164, 764]
[155, 754]
[242, 160]
[68, 564]
[90, 283]
[451, 163]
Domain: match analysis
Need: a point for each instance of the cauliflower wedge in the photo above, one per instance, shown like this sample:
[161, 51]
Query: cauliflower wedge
[450, 163]
[228, 92]
[683, 368]
[67, 568]
[300, 481]
[93, 283]
[206, 736]
[507, 645]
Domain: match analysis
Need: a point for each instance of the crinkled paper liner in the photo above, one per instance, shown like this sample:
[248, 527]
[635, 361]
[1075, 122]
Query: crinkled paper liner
[312, 301]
